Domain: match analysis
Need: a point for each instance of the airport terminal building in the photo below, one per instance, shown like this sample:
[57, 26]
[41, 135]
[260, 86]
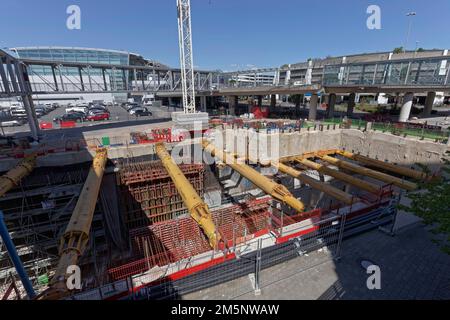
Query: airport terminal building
[40, 74]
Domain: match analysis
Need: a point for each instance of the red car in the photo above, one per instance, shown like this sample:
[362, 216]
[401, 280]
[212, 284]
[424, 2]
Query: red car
[98, 117]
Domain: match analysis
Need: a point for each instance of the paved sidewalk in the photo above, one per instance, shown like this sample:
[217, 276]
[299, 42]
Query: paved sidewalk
[412, 267]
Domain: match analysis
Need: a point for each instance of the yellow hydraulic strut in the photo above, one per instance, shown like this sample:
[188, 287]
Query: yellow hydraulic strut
[198, 210]
[415, 174]
[76, 236]
[326, 188]
[373, 188]
[10, 179]
[269, 186]
[370, 173]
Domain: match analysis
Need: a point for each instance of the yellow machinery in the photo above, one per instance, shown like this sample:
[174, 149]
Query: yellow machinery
[270, 187]
[76, 236]
[340, 175]
[198, 210]
[10, 179]
[370, 173]
[330, 190]
[415, 174]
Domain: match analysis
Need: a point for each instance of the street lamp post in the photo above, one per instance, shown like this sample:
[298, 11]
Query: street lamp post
[409, 14]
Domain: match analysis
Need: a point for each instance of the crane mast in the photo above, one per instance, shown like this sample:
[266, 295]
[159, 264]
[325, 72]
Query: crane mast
[186, 55]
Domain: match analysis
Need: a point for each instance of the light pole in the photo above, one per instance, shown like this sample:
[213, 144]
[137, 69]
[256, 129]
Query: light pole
[409, 14]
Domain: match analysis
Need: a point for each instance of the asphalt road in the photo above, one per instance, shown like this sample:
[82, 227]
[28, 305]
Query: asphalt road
[118, 115]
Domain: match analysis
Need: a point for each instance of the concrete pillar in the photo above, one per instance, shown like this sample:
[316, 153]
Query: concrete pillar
[232, 104]
[273, 100]
[431, 96]
[260, 101]
[171, 103]
[203, 103]
[331, 103]
[313, 107]
[406, 107]
[351, 104]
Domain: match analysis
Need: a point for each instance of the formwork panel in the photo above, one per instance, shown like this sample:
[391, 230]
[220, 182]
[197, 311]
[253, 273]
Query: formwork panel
[171, 241]
[148, 195]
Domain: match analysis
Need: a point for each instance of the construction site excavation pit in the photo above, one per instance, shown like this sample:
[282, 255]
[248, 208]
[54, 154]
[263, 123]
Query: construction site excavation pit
[162, 228]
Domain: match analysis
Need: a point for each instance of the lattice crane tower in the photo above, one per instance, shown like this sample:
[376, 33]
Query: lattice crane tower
[186, 55]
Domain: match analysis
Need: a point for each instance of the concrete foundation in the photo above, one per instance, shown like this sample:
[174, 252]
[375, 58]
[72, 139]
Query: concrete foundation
[191, 121]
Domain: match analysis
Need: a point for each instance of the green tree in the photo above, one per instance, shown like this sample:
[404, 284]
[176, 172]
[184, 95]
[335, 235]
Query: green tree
[432, 203]
[398, 50]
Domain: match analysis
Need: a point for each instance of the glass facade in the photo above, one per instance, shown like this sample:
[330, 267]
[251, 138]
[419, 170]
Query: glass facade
[431, 71]
[71, 55]
[83, 55]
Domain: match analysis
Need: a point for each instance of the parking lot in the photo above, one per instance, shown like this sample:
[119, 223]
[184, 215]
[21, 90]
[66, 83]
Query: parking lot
[117, 114]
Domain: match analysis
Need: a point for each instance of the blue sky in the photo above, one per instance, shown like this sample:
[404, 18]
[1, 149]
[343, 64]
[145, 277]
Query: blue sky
[228, 34]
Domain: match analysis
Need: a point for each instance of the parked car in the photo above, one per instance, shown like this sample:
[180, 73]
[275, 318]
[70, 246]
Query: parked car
[77, 109]
[11, 123]
[142, 113]
[133, 110]
[133, 105]
[73, 116]
[98, 117]
[98, 109]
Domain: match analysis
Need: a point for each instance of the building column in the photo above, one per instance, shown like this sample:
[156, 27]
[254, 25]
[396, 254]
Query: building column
[260, 101]
[273, 100]
[313, 107]
[431, 96]
[331, 103]
[406, 107]
[203, 103]
[351, 104]
[232, 103]
[31, 116]
[171, 103]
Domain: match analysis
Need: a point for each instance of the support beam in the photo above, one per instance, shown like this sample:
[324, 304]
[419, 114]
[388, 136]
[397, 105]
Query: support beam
[415, 174]
[260, 98]
[277, 191]
[370, 173]
[370, 187]
[351, 104]
[313, 107]
[431, 96]
[198, 210]
[406, 107]
[232, 104]
[12, 252]
[75, 239]
[12, 178]
[273, 100]
[330, 190]
[331, 104]
[203, 103]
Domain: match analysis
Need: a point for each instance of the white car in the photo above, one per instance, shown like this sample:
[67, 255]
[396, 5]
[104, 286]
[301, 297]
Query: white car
[77, 109]
[12, 123]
